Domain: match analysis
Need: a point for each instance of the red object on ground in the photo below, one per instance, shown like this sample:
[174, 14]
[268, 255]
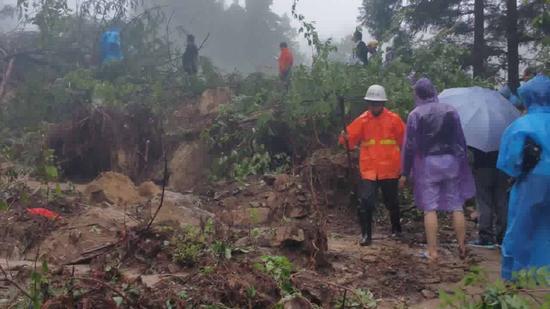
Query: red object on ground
[43, 212]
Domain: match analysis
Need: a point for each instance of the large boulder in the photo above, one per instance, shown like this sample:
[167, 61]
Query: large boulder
[212, 99]
[188, 166]
[113, 188]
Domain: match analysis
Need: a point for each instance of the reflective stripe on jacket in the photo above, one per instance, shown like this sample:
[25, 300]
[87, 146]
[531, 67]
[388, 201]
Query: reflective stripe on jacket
[380, 139]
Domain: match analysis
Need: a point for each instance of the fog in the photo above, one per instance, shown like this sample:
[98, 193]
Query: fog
[7, 22]
[244, 34]
[334, 18]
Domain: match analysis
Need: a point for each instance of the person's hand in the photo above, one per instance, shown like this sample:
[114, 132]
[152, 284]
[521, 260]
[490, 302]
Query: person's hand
[344, 135]
[402, 182]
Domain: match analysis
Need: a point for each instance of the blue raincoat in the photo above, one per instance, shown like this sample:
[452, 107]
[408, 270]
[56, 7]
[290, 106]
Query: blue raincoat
[111, 49]
[527, 241]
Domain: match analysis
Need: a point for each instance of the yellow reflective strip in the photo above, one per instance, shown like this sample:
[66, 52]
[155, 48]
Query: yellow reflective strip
[388, 142]
[369, 143]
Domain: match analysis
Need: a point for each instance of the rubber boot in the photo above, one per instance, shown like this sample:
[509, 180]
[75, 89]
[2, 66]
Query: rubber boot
[395, 223]
[365, 220]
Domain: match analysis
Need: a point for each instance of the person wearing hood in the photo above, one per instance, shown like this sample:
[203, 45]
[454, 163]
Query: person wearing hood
[525, 155]
[190, 58]
[435, 160]
[379, 134]
[361, 51]
[111, 50]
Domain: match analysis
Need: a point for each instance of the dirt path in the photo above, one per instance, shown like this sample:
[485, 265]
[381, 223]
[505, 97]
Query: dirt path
[490, 263]
[393, 269]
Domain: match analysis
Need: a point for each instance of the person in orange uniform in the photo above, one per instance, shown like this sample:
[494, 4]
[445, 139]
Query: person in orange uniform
[286, 60]
[379, 133]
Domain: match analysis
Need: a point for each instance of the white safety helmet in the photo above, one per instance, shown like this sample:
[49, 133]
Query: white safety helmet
[376, 93]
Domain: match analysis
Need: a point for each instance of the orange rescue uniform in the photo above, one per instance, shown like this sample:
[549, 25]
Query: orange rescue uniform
[286, 60]
[380, 140]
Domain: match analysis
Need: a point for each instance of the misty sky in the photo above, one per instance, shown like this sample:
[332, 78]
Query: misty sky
[334, 18]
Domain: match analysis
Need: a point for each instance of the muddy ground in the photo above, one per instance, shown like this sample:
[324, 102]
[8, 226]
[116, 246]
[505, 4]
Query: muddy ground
[206, 247]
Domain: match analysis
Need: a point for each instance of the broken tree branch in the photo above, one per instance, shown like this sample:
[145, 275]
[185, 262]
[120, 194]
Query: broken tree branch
[204, 41]
[145, 12]
[164, 182]
[92, 253]
[116, 291]
[15, 284]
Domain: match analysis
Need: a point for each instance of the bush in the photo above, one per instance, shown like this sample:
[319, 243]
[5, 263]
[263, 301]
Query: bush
[524, 293]
[280, 268]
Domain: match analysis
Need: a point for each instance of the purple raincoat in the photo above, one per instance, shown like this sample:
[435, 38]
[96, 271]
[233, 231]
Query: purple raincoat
[435, 153]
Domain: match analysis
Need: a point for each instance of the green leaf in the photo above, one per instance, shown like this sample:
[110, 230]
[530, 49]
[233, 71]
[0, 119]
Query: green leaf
[183, 295]
[3, 205]
[118, 300]
[58, 189]
[36, 277]
[45, 268]
[228, 253]
[169, 304]
[51, 172]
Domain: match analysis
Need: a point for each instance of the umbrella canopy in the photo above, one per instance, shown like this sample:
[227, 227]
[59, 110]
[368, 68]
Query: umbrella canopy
[484, 114]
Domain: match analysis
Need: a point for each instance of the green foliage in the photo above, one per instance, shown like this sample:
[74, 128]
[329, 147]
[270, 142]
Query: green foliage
[251, 292]
[67, 77]
[307, 118]
[189, 246]
[307, 28]
[238, 148]
[280, 268]
[221, 250]
[523, 293]
[187, 253]
[39, 286]
[4, 205]
[207, 270]
[192, 243]
[46, 168]
[541, 26]
[40, 12]
[379, 17]
[256, 165]
[118, 300]
[401, 23]
[311, 106]
[358, 299]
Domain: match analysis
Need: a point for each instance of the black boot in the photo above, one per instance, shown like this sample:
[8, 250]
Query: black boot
[365, 220]
[395, 223]
[365, 241]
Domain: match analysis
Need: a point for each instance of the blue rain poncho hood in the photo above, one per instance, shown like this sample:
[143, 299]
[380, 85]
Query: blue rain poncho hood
[536, 92]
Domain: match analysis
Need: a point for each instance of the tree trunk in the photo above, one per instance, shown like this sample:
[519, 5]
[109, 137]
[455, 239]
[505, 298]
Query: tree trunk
[478, 54]
[6, 78]
[513, 44]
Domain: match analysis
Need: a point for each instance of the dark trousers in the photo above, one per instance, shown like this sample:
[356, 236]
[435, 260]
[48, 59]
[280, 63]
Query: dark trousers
[285, 78]
[492, 203]
[369, 192]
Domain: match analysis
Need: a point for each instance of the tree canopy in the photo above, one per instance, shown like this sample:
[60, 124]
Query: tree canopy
[455, 20]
